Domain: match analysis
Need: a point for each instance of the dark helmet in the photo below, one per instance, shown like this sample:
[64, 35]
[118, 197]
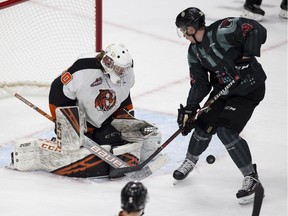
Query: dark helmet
[133, 197]
[190, 17]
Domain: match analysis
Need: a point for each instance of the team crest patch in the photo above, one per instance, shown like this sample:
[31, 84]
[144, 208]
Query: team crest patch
[245, 29]
[226, 23]
[105, 100]
[98, 81]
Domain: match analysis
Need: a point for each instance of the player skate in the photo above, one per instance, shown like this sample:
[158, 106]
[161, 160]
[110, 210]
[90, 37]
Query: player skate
[246, 194]
[183, 171]
[283, 11]
[253, 11]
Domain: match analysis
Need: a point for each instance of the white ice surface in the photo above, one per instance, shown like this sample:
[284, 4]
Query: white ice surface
[147, 28]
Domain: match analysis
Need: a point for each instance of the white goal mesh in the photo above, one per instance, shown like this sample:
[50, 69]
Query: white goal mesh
[41, 38]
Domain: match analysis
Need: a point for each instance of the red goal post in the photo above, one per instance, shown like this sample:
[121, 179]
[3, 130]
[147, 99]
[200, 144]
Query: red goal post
[41, 38]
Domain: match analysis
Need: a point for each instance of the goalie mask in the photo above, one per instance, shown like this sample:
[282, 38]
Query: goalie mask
[133, 197]
[116, 61]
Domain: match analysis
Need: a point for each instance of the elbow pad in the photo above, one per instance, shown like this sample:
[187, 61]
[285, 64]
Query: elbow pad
[254, 40]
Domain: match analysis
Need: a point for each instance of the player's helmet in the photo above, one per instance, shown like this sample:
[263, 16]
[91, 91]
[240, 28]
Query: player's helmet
[133, 197]
[116, 61]
[191, 16]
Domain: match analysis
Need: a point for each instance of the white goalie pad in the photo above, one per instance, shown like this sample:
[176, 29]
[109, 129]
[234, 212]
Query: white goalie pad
[127, 148]
[150, 145]
[25, 156]
[70, 127]
[39, 154]
[135, 130]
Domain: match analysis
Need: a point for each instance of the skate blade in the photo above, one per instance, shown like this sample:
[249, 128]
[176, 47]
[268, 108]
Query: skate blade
[250, 15]
[175, 181]
[246, 200]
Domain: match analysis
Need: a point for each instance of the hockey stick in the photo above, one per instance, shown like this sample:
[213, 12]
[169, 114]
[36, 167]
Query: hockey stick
[121, 171]
[98, 150]
[258, 198]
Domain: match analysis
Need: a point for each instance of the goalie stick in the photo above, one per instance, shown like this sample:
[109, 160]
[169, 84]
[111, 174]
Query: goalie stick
[98, 150]
[205, 108]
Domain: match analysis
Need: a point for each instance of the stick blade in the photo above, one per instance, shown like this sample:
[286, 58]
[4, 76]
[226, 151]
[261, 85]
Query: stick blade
[149, 169]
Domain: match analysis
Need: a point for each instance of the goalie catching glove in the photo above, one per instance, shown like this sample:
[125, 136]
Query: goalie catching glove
[184, 120]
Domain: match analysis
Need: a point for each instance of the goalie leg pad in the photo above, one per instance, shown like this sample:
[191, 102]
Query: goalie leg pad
[25, 156]
[33, 154]
[29, 154]
[51, 161]
[84, 165]
[127, 148]
[129, 153]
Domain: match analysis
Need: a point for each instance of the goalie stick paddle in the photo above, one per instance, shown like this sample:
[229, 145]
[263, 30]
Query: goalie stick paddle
[205, 108]
[258, 199]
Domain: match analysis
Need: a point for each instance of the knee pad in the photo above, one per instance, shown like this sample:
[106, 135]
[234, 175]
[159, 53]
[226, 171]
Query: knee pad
[227, 136]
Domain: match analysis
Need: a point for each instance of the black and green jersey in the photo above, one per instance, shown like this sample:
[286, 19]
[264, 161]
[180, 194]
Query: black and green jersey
[212, 62]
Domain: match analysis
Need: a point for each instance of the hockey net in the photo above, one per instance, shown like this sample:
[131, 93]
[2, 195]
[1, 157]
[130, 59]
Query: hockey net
[41, 38]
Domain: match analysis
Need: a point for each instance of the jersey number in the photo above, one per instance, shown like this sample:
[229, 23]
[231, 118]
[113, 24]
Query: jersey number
[66, 77]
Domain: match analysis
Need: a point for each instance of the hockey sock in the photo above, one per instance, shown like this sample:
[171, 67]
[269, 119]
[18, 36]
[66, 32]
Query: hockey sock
[237, 148]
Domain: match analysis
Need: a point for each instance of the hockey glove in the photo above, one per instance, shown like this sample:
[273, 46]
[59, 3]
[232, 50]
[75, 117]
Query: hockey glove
[244, 67]
[184, 120]
[251, 76]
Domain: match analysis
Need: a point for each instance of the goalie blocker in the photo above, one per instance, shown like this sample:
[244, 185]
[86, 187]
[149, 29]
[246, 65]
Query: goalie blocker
[66, 156]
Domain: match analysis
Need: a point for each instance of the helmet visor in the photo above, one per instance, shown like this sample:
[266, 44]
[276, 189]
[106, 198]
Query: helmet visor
[181, 31]
[118, 70]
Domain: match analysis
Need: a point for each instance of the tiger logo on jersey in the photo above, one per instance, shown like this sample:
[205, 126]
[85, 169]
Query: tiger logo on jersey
[105, 100]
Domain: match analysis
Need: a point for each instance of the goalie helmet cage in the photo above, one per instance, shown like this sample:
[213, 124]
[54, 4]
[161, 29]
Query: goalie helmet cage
[41, 38]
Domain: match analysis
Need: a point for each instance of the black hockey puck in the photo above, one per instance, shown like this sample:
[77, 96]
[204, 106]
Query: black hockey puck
[210, 159]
